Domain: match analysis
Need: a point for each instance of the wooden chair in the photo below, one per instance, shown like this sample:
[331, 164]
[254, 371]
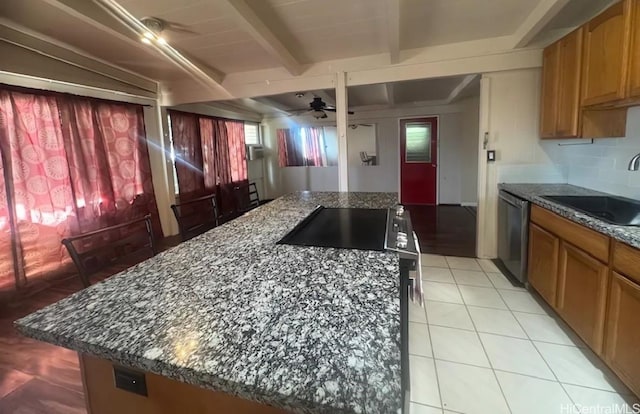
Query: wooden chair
[196, 216]
[95, 250]
[247, 197]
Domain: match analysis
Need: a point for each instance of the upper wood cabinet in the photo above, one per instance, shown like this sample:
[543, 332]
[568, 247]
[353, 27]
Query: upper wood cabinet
[582, 294]
[561, 87]
[569, 84]
[634, 55]
[606, 55]
[549, 97]
[543, 263]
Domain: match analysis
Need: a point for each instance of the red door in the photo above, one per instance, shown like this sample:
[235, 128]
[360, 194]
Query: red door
[418, 160]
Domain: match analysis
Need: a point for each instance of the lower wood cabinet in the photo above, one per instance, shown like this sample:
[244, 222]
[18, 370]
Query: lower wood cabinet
[582, 294]
[544, 249]
[622, 341]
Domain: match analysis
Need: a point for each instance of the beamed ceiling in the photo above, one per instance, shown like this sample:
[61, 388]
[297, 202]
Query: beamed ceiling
[239, 49]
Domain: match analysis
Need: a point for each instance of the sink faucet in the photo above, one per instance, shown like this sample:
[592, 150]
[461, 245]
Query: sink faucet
[634, 164]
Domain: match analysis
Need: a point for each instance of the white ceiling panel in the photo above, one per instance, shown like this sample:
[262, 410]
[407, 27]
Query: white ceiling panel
[437, 22]
[330, 29]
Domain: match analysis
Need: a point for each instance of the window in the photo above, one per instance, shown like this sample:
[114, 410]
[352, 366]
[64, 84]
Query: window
[302, 146]
[418, 138]
[251, 133]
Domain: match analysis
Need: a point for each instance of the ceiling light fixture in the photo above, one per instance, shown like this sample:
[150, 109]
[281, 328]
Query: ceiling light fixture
[145, 40]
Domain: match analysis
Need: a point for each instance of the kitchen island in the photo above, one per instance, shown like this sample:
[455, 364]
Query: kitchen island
[299, 329]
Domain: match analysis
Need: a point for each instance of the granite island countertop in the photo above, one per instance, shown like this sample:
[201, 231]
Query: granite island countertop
[534, 192]
[307, 329]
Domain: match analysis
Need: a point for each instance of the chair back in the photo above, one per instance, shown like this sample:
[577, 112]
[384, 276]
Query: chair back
[247, 197]
[196, 216]
[128, 242]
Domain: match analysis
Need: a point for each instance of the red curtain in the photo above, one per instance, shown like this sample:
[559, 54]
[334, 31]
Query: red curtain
[237, 150]
[71, 165]
[298, 147]
[313, 147]
[109, 162]
[208, 160]
[37, 181]
[187, 145]
[283, 156]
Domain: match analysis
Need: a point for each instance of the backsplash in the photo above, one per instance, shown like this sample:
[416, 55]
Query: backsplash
[603, 165]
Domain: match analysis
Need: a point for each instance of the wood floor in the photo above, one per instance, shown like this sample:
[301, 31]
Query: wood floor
[35, 377]
[445, 230]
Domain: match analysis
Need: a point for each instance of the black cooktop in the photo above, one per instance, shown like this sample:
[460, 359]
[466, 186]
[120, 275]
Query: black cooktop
[344, 228]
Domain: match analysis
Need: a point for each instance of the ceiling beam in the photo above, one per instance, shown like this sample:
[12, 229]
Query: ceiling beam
[251, 22]
[464, 84]
[535, 22]
[204, 75]
[393, 30]
[390, 92]
[46, 46]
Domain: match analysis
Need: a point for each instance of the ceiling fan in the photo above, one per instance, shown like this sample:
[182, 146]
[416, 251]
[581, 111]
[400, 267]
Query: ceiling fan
[318, 109]
[156, 27]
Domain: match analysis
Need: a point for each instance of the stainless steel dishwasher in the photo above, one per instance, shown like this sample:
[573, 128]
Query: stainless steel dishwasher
[513, 234]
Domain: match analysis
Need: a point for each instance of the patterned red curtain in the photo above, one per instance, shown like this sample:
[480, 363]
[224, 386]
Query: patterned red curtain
[71, 165]
[282, 135]
[208, 159]
[298, 147]
[314, 146]
[237, 150]
[7, 277]
[108, 161]
[187, 145]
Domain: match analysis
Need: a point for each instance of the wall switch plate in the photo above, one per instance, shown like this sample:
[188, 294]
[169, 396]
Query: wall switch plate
[491, 155]
[131, 381]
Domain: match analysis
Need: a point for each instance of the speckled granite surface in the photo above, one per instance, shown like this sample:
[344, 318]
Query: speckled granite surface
[311, 330]
[533, 193]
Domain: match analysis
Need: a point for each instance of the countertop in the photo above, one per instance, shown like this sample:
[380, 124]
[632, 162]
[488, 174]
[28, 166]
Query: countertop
[306, 329]
[533, 192]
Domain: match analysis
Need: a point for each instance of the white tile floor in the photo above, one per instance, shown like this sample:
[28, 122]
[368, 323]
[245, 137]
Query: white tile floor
[483, 346]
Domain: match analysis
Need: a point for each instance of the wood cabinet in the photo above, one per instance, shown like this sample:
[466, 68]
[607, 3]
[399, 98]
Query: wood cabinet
[582, 294]
[593, 283]
[569, 86]
[634, 54]
[544, 249]
[561, 71]
[549, 96]
[606, 55]
[623, 336]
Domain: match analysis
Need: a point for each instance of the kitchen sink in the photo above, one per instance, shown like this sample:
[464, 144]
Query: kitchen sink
[614, 210]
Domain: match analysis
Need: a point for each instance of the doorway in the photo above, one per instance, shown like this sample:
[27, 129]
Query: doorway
[418, 161]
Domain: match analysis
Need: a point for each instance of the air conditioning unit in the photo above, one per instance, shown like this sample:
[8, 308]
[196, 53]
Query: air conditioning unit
[255, 152]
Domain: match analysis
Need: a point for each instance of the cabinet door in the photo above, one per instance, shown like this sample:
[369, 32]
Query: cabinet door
[634, 57]
[606, 53]
[549, 98]
[582, 294]
[623, 336]
[569, 68]
[543, 263]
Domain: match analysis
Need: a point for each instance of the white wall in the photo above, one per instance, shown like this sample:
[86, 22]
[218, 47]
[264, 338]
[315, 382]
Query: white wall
[509, 112]
[603, 165]
[458, 131]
